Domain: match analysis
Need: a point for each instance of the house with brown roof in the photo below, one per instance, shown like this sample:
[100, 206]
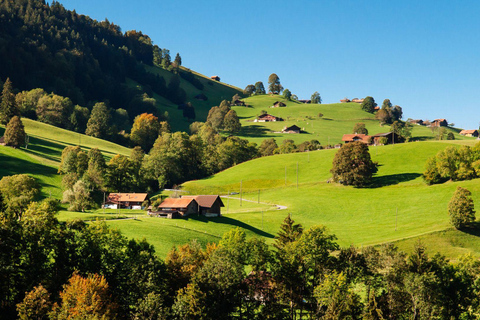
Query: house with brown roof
[125, 201]
[176, 207]
[439, 123]
[278, 104]
[357, 100]
[291, 129]
[208, 205]
[469, 133]
[344, 100]
[305, 101]
[267, 118]
[418, 122]
[216, 78]
[390, 136]
[348, 138]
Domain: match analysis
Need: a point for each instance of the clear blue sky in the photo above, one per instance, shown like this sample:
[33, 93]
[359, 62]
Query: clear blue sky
[422, 55]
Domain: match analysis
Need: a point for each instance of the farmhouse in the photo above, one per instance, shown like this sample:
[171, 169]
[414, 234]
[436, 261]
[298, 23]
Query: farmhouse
[125, 200]
[357, 100]
[390, 136]
[439, 123]
[417, 122]
[305, 101]
[239, 103]
[2, 141]
[216, 78]
[344, 100]
[469, 133]
[176, 208]
[267, 118]
[291, 129]
[347, 138]
[208, 205]
[278, 104]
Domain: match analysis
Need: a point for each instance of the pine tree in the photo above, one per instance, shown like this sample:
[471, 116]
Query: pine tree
[7, 106]
[15, 133]
[178, 60]
[289, 232]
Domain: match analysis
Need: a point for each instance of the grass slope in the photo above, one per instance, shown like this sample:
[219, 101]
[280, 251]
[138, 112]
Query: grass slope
[337, 120]
[398, 206]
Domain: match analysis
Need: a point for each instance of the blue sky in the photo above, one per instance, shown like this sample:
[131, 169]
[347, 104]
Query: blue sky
[422, 55]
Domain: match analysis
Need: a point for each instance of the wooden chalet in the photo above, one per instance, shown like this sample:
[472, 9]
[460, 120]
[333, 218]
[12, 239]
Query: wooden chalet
[418, 122]
[2, 141]
[175, 208]
[125, 201]
[439, 123]
[278, 104]
[390, 136]
[291, 129]
[469, 133]
[239, 103]
[344, 100]
[216, 78]
[357, 100]
[208, 205]
[348, 138]
[267, 118]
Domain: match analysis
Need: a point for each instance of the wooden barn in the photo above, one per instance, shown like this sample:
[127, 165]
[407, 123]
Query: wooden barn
[208, 205]
[176, 207]
[291, 129]
[469, 133]
[267, 118]
[216, 78]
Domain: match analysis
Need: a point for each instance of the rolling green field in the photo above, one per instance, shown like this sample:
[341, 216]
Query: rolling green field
[338, 119]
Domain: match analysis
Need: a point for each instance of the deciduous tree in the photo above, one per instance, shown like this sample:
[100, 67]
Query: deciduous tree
[352, 165]
[267, 147]
[360, 128]
[249, 90]
[145, 130]
[368, 104]
[98, 124]
[17, 192]
[274, 85]
[15, 133]
[315, 98]
[287, 94]
[259, 88]
[231, 123]
[55, 110]
[35, 305]
[461, 208]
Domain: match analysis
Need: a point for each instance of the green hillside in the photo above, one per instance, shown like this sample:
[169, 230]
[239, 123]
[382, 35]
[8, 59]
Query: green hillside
[337, 119]
[399, 205]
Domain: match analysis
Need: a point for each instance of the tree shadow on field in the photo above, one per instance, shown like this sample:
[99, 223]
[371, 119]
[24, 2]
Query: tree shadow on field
[473, 229]
[232, 222]
[392, 179]
[421, 138]
[254, 131]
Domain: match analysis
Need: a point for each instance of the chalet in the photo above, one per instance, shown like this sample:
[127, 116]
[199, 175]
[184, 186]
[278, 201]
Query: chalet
[216, 78]
[439, 123]
[208, 205]
[390, 136]
[267, 118]
[201, 97]
[469, 133]
[417, 122]
[176, 207]
[291, 129]
[347, 138]
[345, 100]
[239, 103]
[278, 104]
[125, 200]
[357, 100]
[305, 101]
[2, 141]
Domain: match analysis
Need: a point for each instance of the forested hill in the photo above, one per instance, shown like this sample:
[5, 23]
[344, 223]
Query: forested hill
[47, 46]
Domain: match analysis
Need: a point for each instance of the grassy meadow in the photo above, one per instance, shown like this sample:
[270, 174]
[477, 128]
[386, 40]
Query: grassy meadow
[337, 119]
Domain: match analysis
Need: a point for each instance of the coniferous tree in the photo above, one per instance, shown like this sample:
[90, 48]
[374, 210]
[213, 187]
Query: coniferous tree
[15, 133]
[178, 60]
[289, 232]
[7, 106]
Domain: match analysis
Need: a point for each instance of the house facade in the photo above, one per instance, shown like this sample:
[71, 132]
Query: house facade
[267, 118]
[469, 133]
[208, 205]
[125, 200]
[439, 123]
[177, 207]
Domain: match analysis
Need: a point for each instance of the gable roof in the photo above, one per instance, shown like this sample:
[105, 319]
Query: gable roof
[127, 197]
[179, 203]
[205, 201]
[294, 128]
[355, 137]
[461, 132]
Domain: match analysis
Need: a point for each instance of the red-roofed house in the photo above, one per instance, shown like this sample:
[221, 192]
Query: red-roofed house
[345, 100]
[125, 200]
[208, 205]
[267, 118]
[439, 123]
[178, 206]
[347, 138]
[216, 78]
[469, 133]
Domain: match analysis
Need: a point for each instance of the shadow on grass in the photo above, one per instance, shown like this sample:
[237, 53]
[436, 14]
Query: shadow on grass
[473, 229]
[421, 138]
[254, 131]
[392, 179]
[232, 222]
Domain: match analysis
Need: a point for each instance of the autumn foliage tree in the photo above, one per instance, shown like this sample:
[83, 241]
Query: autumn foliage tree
[15, 133]
[352, 165]
[145, 130]
[35, 305]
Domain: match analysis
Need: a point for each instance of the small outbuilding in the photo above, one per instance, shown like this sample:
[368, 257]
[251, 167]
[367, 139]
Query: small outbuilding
[278, 104]
[469, 133]
[357, 100]
[239, 103]
[216, 78]
[178, 207]
[344, 100]
[267, 118]
[291, 129]
[208, 205]
[418, 122]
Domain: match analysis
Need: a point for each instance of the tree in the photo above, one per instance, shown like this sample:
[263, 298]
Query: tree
[274, 85]
[287, 94]
[450, 136]
[368, 104]
[79, 118]
[360, 128]
[249, 90]
[17, 192]
[166, 59]
[259, 88]
[267, 147]
[15, 133]
[7, 104]
[231, 123]
[316, 98]
[402, 130]
[119, 174]
[461, 208]
[35, 305]
[98, 124]
[178, 60]
[85, 298]
[289, 232]
[55, 110]
[352, 165]
[145, 130]
[26, 102]
[78, 197]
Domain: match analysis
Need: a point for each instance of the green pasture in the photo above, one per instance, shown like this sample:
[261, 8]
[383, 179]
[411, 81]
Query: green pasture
[337, 119]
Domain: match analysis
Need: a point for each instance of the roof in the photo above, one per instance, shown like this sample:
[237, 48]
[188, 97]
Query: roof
[205, 201]
[294, 127]
[386, 134]
[176, 203]
[355, 137]
[463, 131]
[267, 116]
[439, 120]
[127, 197]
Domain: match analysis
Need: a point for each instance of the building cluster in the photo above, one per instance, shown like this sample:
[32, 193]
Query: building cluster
[345, 100]
[376, 139]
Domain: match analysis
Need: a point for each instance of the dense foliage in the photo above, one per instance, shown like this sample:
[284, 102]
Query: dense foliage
[461, 208]
[352, 165]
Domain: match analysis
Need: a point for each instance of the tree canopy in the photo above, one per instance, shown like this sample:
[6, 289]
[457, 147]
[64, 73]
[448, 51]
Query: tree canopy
[368, 104]
[352, 165]
[461, 208]
[15, 133]
[315, 98]
[274, 85]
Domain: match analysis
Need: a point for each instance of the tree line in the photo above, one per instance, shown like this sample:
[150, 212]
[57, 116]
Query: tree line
[91, 271]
